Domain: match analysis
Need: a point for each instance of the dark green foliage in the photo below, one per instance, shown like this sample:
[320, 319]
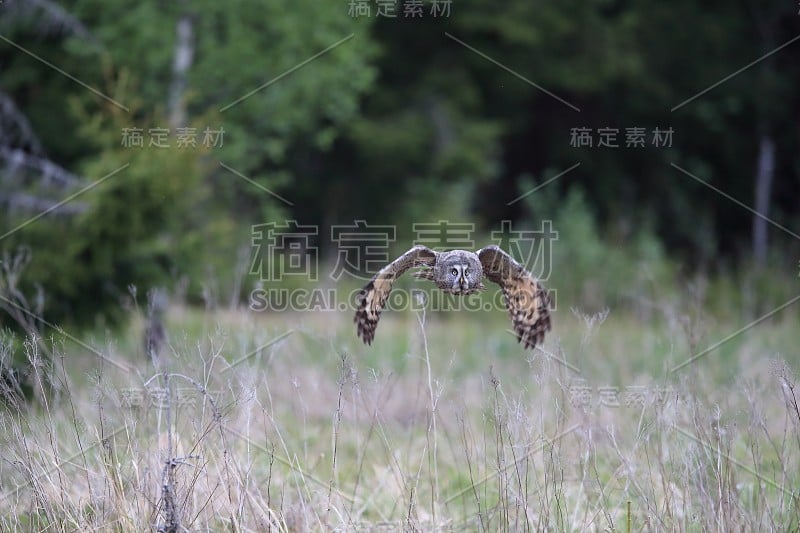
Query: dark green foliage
[168, 213]
[404, 121]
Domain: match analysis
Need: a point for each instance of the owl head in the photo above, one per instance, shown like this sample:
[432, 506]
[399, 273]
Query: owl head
[458, 272]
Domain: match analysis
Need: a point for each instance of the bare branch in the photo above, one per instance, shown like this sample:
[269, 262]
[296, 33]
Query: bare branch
[12, 299]
[50, 172]
[30, 202]
[49, 18]
[15, 130]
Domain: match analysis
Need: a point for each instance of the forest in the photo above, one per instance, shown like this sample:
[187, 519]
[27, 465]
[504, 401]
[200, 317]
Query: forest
[676, 115]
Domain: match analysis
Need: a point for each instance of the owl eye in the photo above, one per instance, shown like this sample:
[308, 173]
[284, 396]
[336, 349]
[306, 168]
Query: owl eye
[454, 272]
[466, 271]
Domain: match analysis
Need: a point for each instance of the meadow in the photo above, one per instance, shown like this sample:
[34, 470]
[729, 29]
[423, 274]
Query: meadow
[650, 418]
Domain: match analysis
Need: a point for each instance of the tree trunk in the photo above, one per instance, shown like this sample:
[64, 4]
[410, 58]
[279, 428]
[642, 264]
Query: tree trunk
[181, 62]
[765, 172]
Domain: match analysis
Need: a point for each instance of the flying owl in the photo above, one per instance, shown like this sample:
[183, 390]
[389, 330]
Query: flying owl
[461, 272]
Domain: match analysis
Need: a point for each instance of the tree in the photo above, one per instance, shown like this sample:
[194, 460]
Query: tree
[167, 211]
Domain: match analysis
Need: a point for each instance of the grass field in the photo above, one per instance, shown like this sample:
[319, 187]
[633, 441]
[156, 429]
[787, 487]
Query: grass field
[444, 423]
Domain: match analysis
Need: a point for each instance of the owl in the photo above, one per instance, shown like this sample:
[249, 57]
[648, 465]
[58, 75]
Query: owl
[461, 272]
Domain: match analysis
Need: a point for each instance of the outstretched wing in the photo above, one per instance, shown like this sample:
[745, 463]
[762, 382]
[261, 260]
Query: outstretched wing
[527, 301]
[373, 296]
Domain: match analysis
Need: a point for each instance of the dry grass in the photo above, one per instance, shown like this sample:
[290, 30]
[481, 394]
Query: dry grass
[443, 424]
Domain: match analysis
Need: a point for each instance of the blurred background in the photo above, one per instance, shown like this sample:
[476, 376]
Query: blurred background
[141, 143]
